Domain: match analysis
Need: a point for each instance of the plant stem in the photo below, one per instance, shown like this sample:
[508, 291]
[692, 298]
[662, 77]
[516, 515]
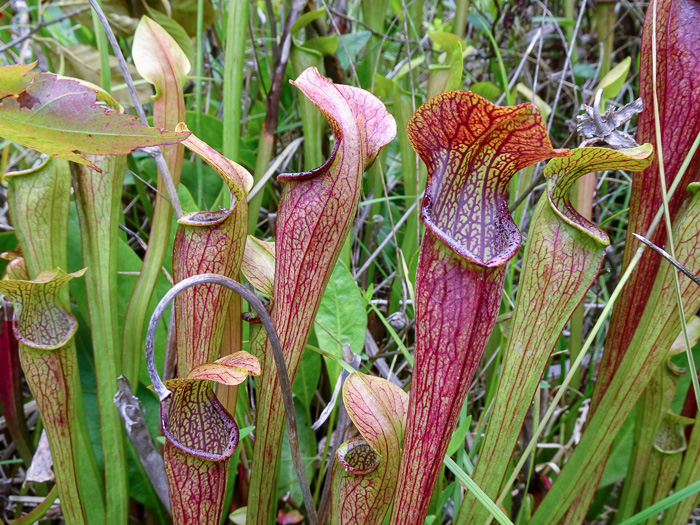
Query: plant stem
[98, 201]
[236, 31]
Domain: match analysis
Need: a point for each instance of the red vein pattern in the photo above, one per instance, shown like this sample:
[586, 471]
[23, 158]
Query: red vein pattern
[208, 242]
[201, 435]
[315, 216]
[47, 355]
[563, 256]
[678, 90]
[364, 477]
[657, 330]
[472, 149]
[58, 115]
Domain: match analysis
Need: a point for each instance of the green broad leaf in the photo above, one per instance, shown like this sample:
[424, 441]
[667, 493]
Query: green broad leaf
[341, 318]
[325, 45]
[459, 435]
[61, 118]
[488, 90]
[351, 46]
[307, 446]
[185, 13]
[447, 42]
[584, 70]
[305, 19]
[307, 378]
[211, 129]
[8, 242]
[612, 83]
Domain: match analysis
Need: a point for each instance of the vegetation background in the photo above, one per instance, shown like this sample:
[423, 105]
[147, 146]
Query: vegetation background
[555, 53]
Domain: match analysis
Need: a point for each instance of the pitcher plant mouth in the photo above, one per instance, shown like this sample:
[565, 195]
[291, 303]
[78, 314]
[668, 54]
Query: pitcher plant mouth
[562, 259]
[242, 363]
[472, 149]
[470, 213]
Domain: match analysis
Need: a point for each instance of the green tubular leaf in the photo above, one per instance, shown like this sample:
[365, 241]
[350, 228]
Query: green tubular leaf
[561, 174]
[670, 437]
[156, 52]
[98, 202]
[39, 202]
[563, 256]
[365, 475]
[689, 471]
[612, 82]
[570, 496]
[472, 149]
[42, 236]
[302, 58]
[41, 323]
[259, 264]
[208, 242]
[314, 218]
[47, 354]
[676, 86]
[53, 115]
[652, 409]
[673, 499]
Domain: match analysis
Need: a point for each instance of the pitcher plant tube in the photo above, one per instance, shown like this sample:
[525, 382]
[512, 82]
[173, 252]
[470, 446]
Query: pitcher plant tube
[563, 256]
[472, 149]
[315, 215]
[197, 402]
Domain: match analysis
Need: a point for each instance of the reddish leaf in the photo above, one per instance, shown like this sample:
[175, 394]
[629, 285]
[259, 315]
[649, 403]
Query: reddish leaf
[472, 149]
[11, 390]
[201, 436]
[60, 117]
[678, 89]
[208, 242]
[315, 215]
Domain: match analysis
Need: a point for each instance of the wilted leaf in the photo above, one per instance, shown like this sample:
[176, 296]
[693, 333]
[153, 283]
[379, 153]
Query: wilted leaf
[60, 117]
